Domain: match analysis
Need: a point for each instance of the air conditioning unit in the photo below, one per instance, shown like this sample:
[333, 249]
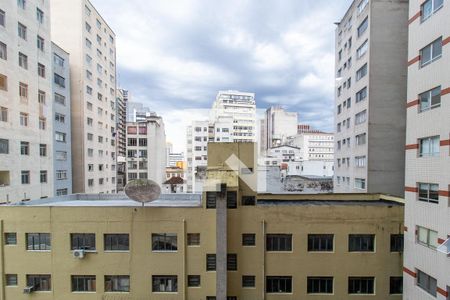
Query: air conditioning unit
[79, 253]
[28, 289]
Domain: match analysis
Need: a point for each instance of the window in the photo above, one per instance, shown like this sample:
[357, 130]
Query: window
[11, 279]
[279, 284]
[3, 114]
[60, 137]
[117, 283]
[10, 238]
[60, 118]
[361, 72]
[132, 141]
[429, 7]
[361, 95]
[91, 182]
[397, 242]
[3, 51]
[164, 242]
[231, 199]
[60, 81]
[210, 262]
[248, 200]
[360, 139]
[82, 241]
[164, 284]
[361, 243]
[427, 283]
[40, 282]
[42, 123]
[40, 43]
[320, 285]
[61, 174]
[58, 60]
[88, 90]
[87, 26]
[24, 148]
[248, 239]
[4, 146]
[363, 26]
[362, 49]
[23, 60]
[87, 10]
[2, 18]
[232, 262]
[427, 237]
[396, 285]
[88, 43]
[142, 142]
[43, 176]
[320, 242]
[193, 280]
[248, 281]
[117, 242]
[279, 242]
[193, 239]
[61, 155]
[361, 285]
[361, 117]
[429, 146]
[22, 31]
[38, 241]
[88, 74]
[23, 119]
[431, 52]
[21, 4]
[60, 99]
[41, 97]
[25, 177]
[83, 283]
[211, 199]
[62, 192]
[429, 192]
[362, 5]
[360, 161]
[430, 99]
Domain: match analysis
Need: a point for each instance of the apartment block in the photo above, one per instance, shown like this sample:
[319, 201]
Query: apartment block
[226, 244]
[197, 136]
[427, 182]
[62, 150]
[278, 124]
[121, 139]
[79, 29]
[26, 101]
[370, 118]
[146, 152]
[314, 145]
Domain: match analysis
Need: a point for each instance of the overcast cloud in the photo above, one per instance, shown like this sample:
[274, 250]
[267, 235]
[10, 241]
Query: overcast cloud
[175, 55]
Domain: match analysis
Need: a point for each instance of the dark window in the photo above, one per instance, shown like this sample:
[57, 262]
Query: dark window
[211, 199]
[193, 239]
[164, 242]
[38, 241]
[231, 298]
[117, 283]
[117, 242]
[427, 283]
[232, 262]
[429, 192]
[83, 241]
[164, 284]
[320, 285]
[361, 285]
[396, 242]
[40, 282]
[279, 242]
[279, 284]
[10, 238]
[83, 283]
[363, 26]
[320, 242]
[396, 285]
[194, 280]
[210, 262]
[361, 242]
[231, 200]
[248, 281]
[210, 297]
[248, 239]
[248, 200]
[11, 279]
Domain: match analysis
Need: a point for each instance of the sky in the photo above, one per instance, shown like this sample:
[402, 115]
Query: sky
[174, 56]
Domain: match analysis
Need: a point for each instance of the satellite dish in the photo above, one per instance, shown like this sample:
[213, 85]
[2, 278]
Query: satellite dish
[142, 190]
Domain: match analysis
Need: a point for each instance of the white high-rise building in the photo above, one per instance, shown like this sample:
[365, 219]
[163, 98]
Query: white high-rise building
[26, 101]
[233, 116]
[197, 136]
[79, 29]
[137, 111]
[314, 145]
[279, 124]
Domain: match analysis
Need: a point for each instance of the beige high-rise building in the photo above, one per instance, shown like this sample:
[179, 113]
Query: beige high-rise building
[370, 118]
[79, 29]
[26, 101]
[427, 183]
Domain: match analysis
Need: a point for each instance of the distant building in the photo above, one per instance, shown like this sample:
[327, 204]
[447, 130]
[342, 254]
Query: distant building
[137, 111]
[314, 145]
[121, 140]
[197, 135]
[279, 124]
[175, 181]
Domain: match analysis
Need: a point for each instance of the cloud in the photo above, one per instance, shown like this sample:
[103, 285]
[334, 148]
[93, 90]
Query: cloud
[175, 55]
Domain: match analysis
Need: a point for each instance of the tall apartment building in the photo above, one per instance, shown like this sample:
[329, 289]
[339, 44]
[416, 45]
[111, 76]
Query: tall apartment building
[314, 145]
[146, 150]
[233, 115]
[278, 124]
[26, 101]
[231, 245]
[79, 29]
[137, 111]
[370, 118]
[62, 150]
[427, 183]
[197, 136]
[121, 139]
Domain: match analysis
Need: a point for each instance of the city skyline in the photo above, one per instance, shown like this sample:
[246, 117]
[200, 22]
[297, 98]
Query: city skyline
[288, 60]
